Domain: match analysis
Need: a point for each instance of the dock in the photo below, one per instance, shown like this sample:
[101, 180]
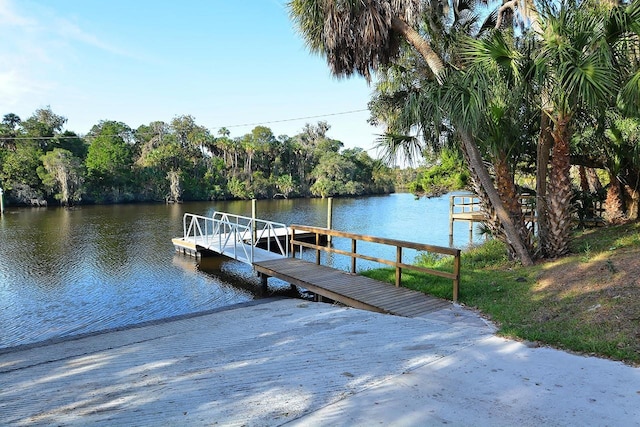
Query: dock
[467, 207]
[245, 239]
[464, 207]
[269, 248]
[238, 247]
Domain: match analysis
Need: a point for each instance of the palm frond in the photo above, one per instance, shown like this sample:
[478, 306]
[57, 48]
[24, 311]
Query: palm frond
[397, 148]
[630, 95]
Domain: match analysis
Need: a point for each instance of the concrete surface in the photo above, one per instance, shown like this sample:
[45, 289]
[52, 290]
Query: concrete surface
[300, 363]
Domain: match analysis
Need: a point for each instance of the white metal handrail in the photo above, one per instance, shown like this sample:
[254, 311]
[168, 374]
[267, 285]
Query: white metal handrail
[257, 230]
[224, 231]
[217, 235]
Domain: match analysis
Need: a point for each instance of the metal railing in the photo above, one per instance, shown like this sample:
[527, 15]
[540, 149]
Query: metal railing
[228, 233]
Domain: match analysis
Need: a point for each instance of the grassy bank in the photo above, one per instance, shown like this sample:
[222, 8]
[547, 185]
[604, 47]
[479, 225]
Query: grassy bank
[588, 302]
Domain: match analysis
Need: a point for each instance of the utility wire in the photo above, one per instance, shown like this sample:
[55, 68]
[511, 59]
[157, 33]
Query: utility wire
[9, 138]
[292, 120]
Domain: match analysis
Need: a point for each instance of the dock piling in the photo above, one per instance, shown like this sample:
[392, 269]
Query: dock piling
[329, 218]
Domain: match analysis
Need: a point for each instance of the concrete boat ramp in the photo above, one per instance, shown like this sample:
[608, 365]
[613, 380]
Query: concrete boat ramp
[285, 361]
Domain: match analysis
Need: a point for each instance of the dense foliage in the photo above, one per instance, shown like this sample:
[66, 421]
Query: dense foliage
[527, 87]
[181, 160]
[449, 173]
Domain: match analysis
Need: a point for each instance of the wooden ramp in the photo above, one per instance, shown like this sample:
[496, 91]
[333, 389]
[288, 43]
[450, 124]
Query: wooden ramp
[350, 289]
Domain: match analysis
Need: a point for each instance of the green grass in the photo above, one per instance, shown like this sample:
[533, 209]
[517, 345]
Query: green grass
[596, 314]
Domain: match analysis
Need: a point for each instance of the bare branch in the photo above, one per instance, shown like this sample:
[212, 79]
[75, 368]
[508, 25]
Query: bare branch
[508, 5]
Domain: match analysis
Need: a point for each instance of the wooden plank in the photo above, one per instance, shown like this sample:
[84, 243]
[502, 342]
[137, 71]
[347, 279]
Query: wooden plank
[380, 294]
[353, 290]
[469, 216]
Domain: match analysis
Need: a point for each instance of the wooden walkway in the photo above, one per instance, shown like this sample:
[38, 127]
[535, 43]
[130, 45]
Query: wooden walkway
[350, 289]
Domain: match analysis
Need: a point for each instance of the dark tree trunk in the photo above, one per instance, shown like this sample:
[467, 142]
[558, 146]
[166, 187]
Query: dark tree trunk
[480, 172]
[614, 205]
[595, 186]
[545, 141]
[559, 191]
[505, 184]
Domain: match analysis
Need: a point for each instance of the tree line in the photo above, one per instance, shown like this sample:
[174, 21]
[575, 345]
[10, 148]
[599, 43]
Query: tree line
[41, 163]
[536, 88]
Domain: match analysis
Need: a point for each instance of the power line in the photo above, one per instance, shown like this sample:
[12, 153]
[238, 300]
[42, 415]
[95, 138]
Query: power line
[292, 120]
[12, 138]
[9, 138]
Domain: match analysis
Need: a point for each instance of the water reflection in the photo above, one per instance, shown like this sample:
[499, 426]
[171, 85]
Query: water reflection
[65, 271]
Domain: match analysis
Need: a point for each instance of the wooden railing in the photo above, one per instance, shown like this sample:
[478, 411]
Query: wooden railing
[325, 234]
[467, 207]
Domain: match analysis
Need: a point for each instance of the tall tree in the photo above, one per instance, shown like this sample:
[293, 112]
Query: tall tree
[359, 36]
[581, 65]
[496, 102]
[8, 130]
[109, 160]
[335, 175]
[64, 172]
[43, 125]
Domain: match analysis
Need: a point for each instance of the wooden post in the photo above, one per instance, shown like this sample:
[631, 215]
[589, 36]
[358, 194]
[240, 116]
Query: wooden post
[398, 262]
[451, 201]
[317, 248]
[263, 282]
[456, 280]
[329, 218]
[1, 203]
[353, 258]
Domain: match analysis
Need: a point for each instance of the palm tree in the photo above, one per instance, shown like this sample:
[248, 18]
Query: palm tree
[580, 67]
[359, 36]
[616, 145]
[491, 97]
[487, 95]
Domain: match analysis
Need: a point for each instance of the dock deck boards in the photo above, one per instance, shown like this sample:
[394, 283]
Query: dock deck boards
[350, 289]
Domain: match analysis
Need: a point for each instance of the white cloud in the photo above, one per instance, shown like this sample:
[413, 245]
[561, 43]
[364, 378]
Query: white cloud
[9, 17]
[74, 33]
[39, 47]
[15, 87]
[44, 29]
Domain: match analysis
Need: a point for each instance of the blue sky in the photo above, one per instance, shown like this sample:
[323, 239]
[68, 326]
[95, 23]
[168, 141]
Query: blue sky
[224, 62]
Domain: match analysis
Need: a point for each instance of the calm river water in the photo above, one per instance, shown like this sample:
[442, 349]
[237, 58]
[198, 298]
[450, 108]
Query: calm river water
[66, 272]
